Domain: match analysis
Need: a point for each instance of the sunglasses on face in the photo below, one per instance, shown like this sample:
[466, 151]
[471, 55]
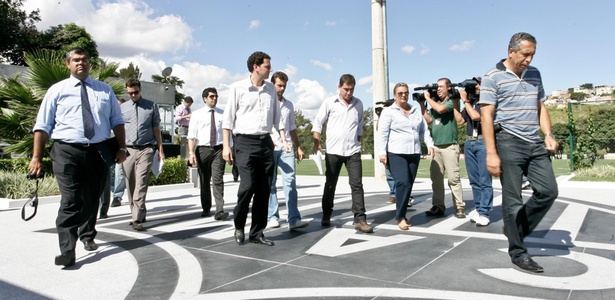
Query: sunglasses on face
[133, 93]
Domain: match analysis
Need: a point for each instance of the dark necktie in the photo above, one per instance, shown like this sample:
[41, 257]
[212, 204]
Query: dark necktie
[86, 112]
[212, 130]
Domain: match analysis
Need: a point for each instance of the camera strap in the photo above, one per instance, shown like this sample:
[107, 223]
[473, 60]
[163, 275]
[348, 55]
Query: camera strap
[33, 202]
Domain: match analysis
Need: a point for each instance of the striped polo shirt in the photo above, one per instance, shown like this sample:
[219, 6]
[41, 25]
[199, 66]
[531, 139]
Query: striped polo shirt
[516, 100]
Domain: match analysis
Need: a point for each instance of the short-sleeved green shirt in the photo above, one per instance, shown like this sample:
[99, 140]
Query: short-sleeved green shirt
[444, 126]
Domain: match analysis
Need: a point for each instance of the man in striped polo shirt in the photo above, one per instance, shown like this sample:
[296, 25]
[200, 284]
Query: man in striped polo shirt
[512, 98]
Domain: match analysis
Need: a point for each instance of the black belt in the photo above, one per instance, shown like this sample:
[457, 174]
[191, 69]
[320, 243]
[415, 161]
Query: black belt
[445, 145]
[186, 126]
[81, 145]
[254, 136]
[140, 147]
[210, 147]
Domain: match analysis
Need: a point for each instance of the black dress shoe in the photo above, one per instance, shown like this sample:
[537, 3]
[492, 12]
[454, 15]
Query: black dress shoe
[326, 221]
[205, 214]
[103, 216]
[66, 260]
[220, 216]
[90, 246]
[435, 212]
[262, 240]
[528, 264]
[239, 236]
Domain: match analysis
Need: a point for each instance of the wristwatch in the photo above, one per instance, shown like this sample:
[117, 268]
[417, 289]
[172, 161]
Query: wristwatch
[551, 135]
[123, 149]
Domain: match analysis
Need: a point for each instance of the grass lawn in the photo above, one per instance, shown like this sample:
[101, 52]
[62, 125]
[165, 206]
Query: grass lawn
[308, 167]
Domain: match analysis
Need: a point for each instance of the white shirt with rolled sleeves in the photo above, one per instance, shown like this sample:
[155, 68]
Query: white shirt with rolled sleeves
[400, 134]
[344, 125]
[287, 117]
[252, 110]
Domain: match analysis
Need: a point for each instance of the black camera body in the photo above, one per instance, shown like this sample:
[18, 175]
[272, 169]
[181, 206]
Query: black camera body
[31, 176]
[469, 85]
[384, 104]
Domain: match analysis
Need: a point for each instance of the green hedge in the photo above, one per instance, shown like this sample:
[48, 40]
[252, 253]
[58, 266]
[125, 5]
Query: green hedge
[13, 183]
[175, 170]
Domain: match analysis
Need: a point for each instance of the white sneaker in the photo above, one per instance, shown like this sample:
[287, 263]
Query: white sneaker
[297, 225]
[273, 223]
[482, 221]
[473, 216]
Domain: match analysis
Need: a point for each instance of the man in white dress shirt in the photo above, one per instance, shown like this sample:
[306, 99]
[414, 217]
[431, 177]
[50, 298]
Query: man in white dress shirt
[205, 147]
[251, 111]
[344, 117]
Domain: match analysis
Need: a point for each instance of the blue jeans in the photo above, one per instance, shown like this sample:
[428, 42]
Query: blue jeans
[119, 181]
[390, 181]
[403, 168]
[480, 179]
[518, 157]
[286, 162]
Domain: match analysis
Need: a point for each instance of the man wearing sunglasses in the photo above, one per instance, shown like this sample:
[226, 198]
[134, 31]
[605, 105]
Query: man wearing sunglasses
[143, 137]
[205, 147]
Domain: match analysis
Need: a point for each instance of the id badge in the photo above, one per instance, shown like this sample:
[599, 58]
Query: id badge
[474, 133]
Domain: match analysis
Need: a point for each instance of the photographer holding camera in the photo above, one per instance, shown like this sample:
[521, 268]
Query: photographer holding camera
[441, 116]
[475, 153]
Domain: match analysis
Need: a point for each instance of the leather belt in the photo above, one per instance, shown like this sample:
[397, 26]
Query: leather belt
[471, 138]
[140, 147]
[214, 147]
[81, 145]
[254, 136]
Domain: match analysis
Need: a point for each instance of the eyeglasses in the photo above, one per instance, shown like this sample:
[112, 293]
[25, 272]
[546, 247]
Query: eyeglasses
[403, 93]
[133, 93]
[212, 96]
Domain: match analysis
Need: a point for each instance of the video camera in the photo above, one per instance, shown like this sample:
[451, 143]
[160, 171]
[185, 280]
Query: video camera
[432, 88]
[469, 85]
[384, 104]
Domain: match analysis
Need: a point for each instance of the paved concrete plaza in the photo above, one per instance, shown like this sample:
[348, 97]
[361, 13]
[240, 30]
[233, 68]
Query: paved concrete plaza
[184, 256]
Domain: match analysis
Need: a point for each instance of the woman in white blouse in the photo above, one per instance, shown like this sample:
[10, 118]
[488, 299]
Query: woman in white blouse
[400, 128]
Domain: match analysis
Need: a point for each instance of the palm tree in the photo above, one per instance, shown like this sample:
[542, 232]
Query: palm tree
[22, 96]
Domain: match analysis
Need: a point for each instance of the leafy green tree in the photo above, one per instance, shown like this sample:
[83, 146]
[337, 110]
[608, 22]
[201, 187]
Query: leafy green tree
[578, 96]
[64, 37]
[367, 139]
[174, 81]
[24, 95]
[131, 71]
[587, 86]
[17, 31]
[304, 132]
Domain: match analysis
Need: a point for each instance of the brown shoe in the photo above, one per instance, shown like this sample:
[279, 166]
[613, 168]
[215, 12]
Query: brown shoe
[363, 227]
[391, 200]
[403, 224]
[460, 214]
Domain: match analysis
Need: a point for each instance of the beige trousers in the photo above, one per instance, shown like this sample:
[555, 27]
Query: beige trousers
[446, 158]
[136, 169]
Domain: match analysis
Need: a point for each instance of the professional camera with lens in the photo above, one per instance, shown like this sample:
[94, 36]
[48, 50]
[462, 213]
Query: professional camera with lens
[384, 104]
[31, 176]
[469, 85]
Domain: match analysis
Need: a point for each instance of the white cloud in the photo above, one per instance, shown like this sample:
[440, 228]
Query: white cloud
[408, 49]
[254, 24]
[330, 23]
[365, 80]
[130, 26]
[464, 46]
[424, 49]
[290, 70]
[321, 64]
[308, 96]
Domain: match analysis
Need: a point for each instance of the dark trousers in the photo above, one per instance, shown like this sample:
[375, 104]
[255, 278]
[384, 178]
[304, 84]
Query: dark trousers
[354, 166]
[211, 167]
[518, 157]
[403, 167]
[234, 167]
[254, 159]
[81, 174]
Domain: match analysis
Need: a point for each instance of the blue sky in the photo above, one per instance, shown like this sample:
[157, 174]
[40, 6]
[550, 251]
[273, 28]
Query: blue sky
[207, 42]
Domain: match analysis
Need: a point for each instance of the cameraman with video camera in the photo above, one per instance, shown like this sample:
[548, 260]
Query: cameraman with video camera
[441, 116]
[475, 153]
